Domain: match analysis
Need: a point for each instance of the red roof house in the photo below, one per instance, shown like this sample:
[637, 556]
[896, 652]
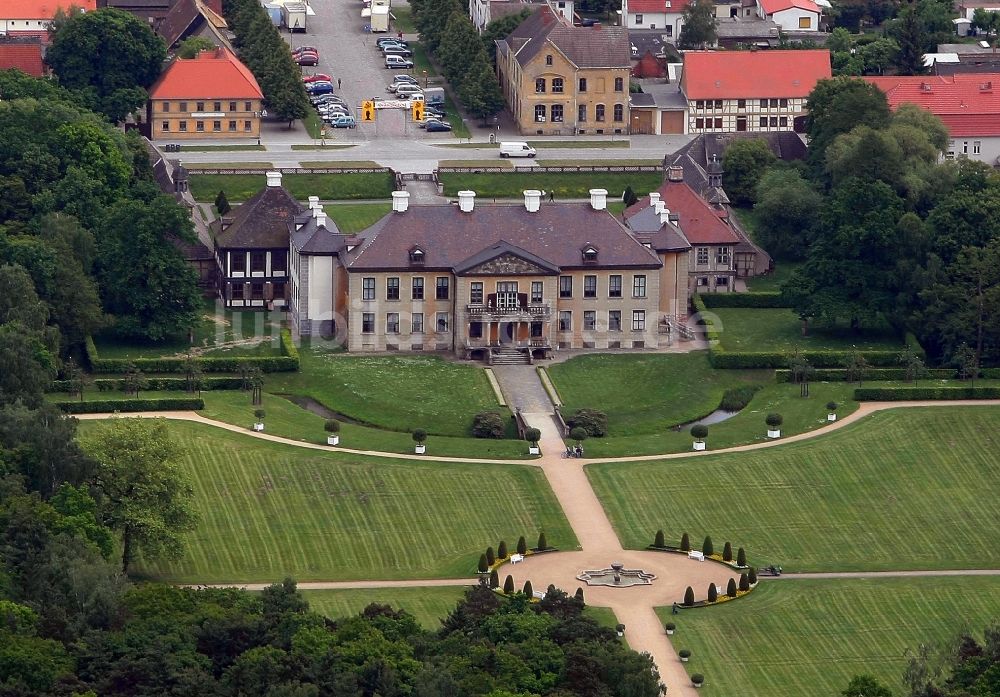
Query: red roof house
[215, 74]
[698, 220]
[23, 53]
[32, 17]
[968, 104]
[753, 74]
[664, 15]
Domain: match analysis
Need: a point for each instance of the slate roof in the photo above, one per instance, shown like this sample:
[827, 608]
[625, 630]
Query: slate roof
[262, 222]
[663, 238]
[500, 248]
[214, 74]
[699, 222]
[753, 74]
[556, 233]
[586, 47]
[317, 240]
[968, 105]
[25, 54]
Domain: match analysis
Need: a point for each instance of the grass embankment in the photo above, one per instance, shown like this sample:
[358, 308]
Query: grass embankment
[911, 488]
[563, 184]
[354, 217]
[753, 329]
[220, 148]
[269, 510]
[329, 187]
[794, 638]
[771, 283]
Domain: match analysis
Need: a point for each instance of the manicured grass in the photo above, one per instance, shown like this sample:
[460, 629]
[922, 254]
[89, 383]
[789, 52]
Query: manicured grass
[221, 148]
[240, 187]
[913, 488]
[421, 63]
[428, 605]
[268, 511]
[354, 217]
[616, 208]
[194, 166]
[604, 616]
[794, 638]
[622, 142]
[754, 329]
[565, 185]
[599, 163]
[783, 270]
[326, 164]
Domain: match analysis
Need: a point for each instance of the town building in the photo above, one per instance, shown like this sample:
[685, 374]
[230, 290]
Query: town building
[749, 91]
[483, 12]
[666, 16]
[967, 104]
[210, 96]
[951, 59]
[791, 15]
[188, 18]
[32, 17]
[23, 53]
[559, 79]
[149, 11]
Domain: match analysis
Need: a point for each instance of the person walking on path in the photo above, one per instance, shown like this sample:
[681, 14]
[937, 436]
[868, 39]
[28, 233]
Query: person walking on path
[552, 196]
[338, 83]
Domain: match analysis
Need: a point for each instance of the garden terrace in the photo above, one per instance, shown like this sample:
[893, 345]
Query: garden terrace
[777, 329]
[329, 187]
[921, 480]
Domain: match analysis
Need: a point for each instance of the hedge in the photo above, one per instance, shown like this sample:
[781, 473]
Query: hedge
[104, 406]
[758, 300]
[155, 384]
[287, 362]
[840, 374]
[720, 358]
[895, 394]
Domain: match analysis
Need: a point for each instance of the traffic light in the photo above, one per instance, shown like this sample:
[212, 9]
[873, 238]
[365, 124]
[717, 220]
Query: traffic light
[368, 110]
[417, 110]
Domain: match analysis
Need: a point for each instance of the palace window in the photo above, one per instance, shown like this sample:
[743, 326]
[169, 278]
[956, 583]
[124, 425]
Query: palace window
[536, 291]
[368, 323]
[199, 106]
[165, 126]
[638, 320]
[442, 322]
[614, 320]
[237, 262]
[476, 293]
[557, 113]
[258, 262]
[236, 291]
[536, 330]
[166, 106]
[475, 330]
[557, 85]
[582, 85]
[539, 112]
[217, 106]
[599, 112]
[619, 84]
[619, 112]
[722, 255]
[392, 289]
[783, 103]
[590, 286]
[247, 106]
[417, 288]
[442, 290]
[232, 126]
[417, 323]
[721, 281]
[565, 286]
[615, 286]
[279, 261]
[232, 106]
[589, 320]
[199, 126]
[702, 255]
[183, 106]
[392, 323]
[565, 321]
[638, 286]
[368, 288]
[257, 291]
[741, 104]
[247, 126]
[581, 113]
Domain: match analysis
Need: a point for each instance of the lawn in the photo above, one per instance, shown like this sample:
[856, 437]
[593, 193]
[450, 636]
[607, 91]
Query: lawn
[329, 187]
[221, 148]
[565, 185]
[901, 489]
[402, 20]
[794, 638]
[781, 330]
[771, 283]
[354, 217]
[422, 66]
[428, 605]
[269, 511]
[194, 166]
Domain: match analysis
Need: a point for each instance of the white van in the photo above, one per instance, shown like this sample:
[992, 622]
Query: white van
[516, 149]
[405, 90]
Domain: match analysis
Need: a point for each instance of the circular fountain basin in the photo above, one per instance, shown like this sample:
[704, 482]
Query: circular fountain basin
[616, 577]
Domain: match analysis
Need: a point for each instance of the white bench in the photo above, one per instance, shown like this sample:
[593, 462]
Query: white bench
[695, 554]
[515, 558]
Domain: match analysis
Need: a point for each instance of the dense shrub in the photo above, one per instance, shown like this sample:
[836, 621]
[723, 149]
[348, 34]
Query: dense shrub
[488, 424]
[689, 596]
[774, 420]
[494, 579]
[713, 593]
[752, 576]
[731, 588]
[840, 374]
[685, 543]
[542, 542]
[508, 585]
[502, 550]
[532, 435]
[528, 590]
[736, 398]
[892, 394]
[331, 426]
[594, 422]
[758, 300]
[684, 653]
[483, 565]
[744, 582]
[698, 679]
[522, 546]
[259, 414]
[741, 557]
[491, 558]
[155, 384]
[579, 434]
[727, 551]
[670, 626]
[831, 406]
[658, 540]
[419, 436]
[108, 406]
[706, 547]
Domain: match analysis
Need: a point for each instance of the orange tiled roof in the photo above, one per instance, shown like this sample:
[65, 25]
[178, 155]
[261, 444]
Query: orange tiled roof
[216, 74]
[772, 6]
[40, 9]
[25, 56]
[968, 104]
[753, 74]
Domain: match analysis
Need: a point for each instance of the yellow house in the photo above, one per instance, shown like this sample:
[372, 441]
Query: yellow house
[559, 79]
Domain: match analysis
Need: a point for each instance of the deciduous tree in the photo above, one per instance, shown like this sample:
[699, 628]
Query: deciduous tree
[699, 29]
[744, 163]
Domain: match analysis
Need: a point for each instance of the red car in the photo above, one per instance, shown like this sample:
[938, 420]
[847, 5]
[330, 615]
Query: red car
[318, 77]
[307, 59]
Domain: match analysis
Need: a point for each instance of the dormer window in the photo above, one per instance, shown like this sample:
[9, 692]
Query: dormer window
[417, 256]
[589, 254]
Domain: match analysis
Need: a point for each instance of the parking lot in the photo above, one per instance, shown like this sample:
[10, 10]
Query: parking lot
[348, 53]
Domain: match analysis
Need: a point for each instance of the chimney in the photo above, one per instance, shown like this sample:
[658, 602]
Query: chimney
[273, 179]
[675, 173]
[660, 207]
[316, 210]
[400, 201]
[313, 202]
[654, 198]
[466, 201]
[532, 200]
[664, 216]
[599, 199]
[320, 218]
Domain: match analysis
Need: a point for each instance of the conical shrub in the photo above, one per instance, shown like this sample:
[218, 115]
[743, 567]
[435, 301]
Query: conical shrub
[727, 552]
[689, 596]
[508, 585]
[658, 540]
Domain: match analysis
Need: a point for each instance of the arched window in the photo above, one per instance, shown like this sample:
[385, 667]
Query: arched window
[619, 112]
[557, 85]
[540, 85]
[548, 59]
[599, 112]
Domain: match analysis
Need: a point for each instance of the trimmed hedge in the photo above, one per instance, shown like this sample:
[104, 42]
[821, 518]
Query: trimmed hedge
[156, 384]
[105, 406]
[840, 374]
[288, 362]
[896, 394]
[757, 300]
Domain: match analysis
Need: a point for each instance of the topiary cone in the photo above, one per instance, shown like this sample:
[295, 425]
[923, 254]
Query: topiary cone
[542, 542]
[522, 546]
[658, 540]
[483, 565]
[727, 552]
[731, 588]
[528, 590]
[744, 582]
[685, 543]
[494, 579]
[689, 596]
[491, 558]
[508, 585]
[706, 548]
[741, 557]
[713, 593]
[502, 550]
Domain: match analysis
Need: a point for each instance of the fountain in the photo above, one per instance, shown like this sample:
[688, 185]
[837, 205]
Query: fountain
[616, 576]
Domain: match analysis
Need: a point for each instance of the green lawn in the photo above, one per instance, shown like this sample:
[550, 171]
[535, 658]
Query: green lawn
[422, 66]
[771, 283]
[781, 330]
[794, 638]
[403, 20]
[329, 187]
[622, 142]
[565, 185]
[901, 489]
[459, 128]
[269, 511]
[221, 148]
[428, 605]
[354, 217]
[194, 166]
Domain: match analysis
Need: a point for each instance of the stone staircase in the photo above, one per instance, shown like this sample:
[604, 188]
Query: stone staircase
[502, 355]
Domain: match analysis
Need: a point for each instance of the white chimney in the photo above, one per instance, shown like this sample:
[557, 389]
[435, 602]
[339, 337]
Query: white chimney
[654, 198]
[320, 217]
[664, 216]
[532, 200]
[400, 201]
[317, 210]
[313, 202]
[466, 201]
[599, 199]
[660, 207]
[274, 179]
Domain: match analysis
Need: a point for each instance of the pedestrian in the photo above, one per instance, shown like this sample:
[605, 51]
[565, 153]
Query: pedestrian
[552, 196]
[338, 83]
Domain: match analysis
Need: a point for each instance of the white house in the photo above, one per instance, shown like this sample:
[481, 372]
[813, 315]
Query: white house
[791, 15]
[665, 15]
[32, 17]
[483, 12]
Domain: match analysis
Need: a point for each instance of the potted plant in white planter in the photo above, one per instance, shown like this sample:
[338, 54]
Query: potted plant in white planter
[697, 679]
[532, 435]
[620, 629]
[670, 627]
[332, 427]
[700, 433]
[831, 411]
[774, 422]
[684, 654]
[258, 415]
[419, 436]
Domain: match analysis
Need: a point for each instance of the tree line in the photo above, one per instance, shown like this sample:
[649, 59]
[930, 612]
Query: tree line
[886, 232]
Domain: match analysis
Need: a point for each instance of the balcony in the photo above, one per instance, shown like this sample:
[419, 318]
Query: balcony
[535, 343]
[516, 313]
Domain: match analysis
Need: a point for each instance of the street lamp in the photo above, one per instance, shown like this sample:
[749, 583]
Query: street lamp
[425, 77]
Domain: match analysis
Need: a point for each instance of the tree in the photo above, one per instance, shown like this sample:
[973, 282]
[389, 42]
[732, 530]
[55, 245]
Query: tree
[658, 540]
[786, 210]
[522, 546]
[502, 550]
[727, 551]
[741, 557]
[41, 445]
[744, 584]
[987, 21]
[731, 588]
[490, 556]
[483, 566]
[838, 106]
[699, 29]
[773, 420]
[460, 48]
[911, 36]
[480, 91]
[193, 45]
[912, 363]
[866, 686]
[542, 542]
[855, 367]
[966, 363]
[744, 163]
[508, 585]
[689, 596]
[194, 377]
[222, 203]
[488, 424]
[494, 579]
[528, 590]
[713, 593]
[707, 548]
[108, 57]
[628, 196]
[27, 365]
[685, 543]
[501, 29]
[144, 494]
[579, 434]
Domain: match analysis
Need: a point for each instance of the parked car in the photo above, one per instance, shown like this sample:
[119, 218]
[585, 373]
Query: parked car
[318, 77]
[316, 88]
[320, 99]
[438, 126]
[398, 63]
[333, 110]
[307, 59]
[397, 51]
[309, 49]
[386, 40]
[318, 84]
[343, 121]
[407, 89]
[404, 78]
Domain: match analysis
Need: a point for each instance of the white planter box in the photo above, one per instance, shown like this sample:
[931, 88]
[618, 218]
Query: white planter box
[420, 449]
[697, 684]
[333, 440]
[831, 417]
[258, 427]
[699, 445]
[773, 433]
[670, 632]
[533, 450]
[684, 660]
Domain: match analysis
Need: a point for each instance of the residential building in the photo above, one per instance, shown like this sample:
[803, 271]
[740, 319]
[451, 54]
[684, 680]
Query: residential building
[23, 53]
[210, 96]
[749, 91]
[791, 15]
[663, 15]
[32, 17]
[967, 104]
[318, 284]
[252, 249]
[559, 79]
[483, 12]
[150, 11]
[951, 59]
[967, 8]
[188, 18]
